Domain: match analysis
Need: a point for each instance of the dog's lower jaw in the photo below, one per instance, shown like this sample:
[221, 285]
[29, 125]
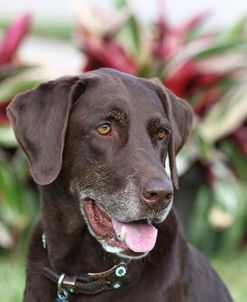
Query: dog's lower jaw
[118, 250]
[115, 250]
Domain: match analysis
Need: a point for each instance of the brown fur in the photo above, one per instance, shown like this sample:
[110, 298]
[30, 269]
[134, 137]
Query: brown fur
[55, 125]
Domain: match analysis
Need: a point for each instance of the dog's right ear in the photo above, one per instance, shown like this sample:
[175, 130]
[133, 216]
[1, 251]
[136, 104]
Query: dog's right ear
[39, 119]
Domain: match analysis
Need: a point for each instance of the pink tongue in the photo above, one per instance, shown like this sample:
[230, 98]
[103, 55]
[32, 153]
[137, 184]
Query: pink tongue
[139, 237]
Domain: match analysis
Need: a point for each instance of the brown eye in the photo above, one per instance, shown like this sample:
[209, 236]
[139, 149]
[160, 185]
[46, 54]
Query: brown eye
[104, 129]
[162, 134]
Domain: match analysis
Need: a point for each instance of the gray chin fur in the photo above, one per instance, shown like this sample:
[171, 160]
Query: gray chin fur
[121, 253]
[134, 257]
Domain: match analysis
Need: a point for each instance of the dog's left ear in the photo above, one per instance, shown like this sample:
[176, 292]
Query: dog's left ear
[39, 119]
[180, 116]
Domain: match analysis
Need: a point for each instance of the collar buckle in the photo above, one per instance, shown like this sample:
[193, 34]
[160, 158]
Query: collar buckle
[62, 294]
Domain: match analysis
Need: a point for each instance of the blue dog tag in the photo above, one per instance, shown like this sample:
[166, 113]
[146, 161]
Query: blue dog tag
[61, 300]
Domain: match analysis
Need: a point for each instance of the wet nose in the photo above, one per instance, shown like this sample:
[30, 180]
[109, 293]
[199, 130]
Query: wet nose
[157, 193]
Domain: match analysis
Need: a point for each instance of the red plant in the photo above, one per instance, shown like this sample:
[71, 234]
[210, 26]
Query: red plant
[103, 50]
[189, 79]
[168, 39]
[108, 54]
[8, 47]
[13, 37]
[3, 116]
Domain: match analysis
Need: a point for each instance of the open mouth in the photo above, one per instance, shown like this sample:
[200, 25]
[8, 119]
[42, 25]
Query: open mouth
[127, 239]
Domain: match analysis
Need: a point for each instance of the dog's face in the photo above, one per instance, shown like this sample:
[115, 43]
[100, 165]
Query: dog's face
[114, 152]
[111, 135]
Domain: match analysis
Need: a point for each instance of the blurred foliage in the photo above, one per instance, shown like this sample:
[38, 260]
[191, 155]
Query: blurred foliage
[206, 67]
[17, 198]
[47, 28]
[233, 270]
[12, 279]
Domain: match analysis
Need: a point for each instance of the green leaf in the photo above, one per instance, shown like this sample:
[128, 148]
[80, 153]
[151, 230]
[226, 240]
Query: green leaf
[130, 33]
[6, 240]
[145, 71]
[7, 183]
[206, 148]
[20, 165]
[221, 48]
[237, 29]
[235, 158]
[47, 27]
[8, 91]
[13, 71]
[225, 187]
[135, 33]
[225, 116]
[235, 234]
[120, 3]
[7, 137]
[17, 206]
[199, 228]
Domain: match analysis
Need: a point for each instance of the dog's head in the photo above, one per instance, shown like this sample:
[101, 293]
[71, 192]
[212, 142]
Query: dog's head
[105, 136]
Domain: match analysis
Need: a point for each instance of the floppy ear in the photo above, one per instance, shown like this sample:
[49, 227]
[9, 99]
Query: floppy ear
[180, 116]
[39, 118]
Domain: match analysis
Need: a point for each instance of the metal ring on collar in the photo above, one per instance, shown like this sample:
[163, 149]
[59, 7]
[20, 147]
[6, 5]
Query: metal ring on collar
[61, 292]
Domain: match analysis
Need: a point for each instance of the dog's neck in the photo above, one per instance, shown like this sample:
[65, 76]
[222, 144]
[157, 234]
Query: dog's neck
[72, 250]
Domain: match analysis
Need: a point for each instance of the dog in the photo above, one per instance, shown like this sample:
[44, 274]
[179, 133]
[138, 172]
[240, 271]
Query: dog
[97, 145]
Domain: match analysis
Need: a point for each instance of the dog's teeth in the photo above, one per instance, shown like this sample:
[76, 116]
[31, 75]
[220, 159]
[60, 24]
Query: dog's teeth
[122, 233]
[149, 220]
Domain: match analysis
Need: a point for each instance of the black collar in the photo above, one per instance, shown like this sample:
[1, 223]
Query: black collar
[87, 283]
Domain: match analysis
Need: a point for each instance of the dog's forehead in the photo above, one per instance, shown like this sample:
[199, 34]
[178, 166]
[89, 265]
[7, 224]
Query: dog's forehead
[128, 93]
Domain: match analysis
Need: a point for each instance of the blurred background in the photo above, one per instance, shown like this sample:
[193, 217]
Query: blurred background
[197, 49]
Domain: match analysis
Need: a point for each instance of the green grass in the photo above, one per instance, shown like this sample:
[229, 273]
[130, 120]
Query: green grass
[12, 279]
[232, 269]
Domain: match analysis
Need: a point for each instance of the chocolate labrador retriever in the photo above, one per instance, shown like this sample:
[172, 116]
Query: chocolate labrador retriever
[97, 145]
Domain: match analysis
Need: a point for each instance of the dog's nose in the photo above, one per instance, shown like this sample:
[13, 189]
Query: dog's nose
[157, 193]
